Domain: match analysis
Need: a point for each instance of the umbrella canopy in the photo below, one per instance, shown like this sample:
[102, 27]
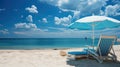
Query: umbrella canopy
[95, 23]
[99, 22]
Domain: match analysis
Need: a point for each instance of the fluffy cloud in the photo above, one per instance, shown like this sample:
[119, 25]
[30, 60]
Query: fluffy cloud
[4, 31]
[29, 18]
[57, 20]
[32, 9]
[65, 21]
[76, 14]
[116, 1]
[102, 13]
[112, 10]
[26, 26]
[44, 20]
[78, 5]
[20, 33]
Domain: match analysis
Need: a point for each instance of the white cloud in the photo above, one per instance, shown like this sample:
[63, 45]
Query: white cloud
[112, 10]
[102, 13]
[4, 31]
[78, 5]
[90, 2]
[32, 9]
[76, 14]
[29, 18]
[18, 32]
[116, 1]
[60, 2]
[44, 20]
[65, 21]
[26, 26]
[57, 20]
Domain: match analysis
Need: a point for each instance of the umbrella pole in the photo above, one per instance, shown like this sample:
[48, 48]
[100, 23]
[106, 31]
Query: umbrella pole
[93, 37]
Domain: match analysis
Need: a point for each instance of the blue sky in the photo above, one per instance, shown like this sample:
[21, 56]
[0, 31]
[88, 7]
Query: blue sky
[50, 18]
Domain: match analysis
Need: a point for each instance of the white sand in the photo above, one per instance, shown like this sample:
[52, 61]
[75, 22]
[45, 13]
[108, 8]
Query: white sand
[47, 58]
[31, 58]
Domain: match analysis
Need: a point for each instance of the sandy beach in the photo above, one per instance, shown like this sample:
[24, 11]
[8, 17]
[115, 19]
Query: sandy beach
[49, 58]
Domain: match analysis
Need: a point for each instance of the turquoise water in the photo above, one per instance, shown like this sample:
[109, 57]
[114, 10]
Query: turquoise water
[44, 43]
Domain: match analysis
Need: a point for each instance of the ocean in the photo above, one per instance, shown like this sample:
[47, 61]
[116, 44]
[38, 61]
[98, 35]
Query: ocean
[44, 43]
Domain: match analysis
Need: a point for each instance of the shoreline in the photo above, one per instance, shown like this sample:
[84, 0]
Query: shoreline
[60, 48]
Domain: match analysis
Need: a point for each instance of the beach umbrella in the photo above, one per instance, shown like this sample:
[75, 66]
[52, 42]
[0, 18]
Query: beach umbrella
[94, 23]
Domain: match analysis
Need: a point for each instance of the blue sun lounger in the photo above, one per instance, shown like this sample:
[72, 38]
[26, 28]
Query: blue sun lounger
[104, 50]
[77, 53]
[105, 45]
[72, 55]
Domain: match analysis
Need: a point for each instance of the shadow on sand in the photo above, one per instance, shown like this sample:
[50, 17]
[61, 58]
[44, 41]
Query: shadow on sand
[92, 63]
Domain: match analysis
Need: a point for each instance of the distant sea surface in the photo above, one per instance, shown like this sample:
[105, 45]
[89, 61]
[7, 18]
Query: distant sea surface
[44, 43]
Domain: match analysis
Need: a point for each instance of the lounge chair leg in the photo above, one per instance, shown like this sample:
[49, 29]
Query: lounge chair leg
[115, 59]
[100, 61]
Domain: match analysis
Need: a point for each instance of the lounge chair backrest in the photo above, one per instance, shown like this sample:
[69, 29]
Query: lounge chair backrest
[105, 44]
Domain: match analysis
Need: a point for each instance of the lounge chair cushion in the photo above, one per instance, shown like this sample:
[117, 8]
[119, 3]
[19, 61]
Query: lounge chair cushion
[78, 53]
[89, 49]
